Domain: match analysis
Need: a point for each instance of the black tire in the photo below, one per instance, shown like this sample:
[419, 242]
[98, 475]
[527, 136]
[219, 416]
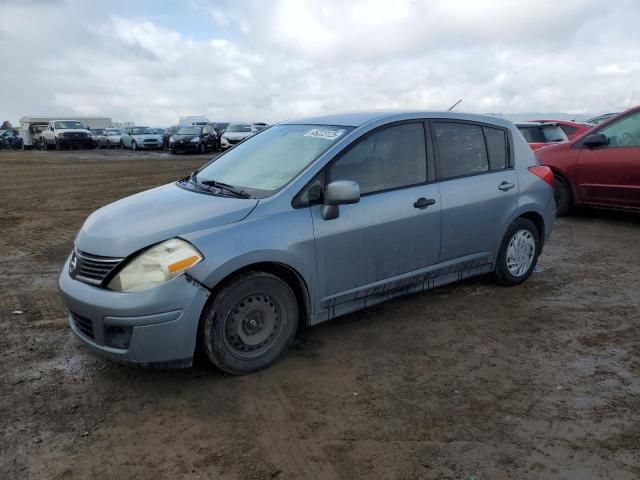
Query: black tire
[502, 273]
[562, 194]
[201, 149]
[134, 145]
[59, 145]
[250, 323]
[121, 144]
[173, 151]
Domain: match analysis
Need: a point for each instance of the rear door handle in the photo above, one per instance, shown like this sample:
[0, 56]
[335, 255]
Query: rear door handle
[504, 186]
[423, 203]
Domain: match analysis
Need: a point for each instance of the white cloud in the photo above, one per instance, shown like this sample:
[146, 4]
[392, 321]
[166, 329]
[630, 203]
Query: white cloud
[284, 58]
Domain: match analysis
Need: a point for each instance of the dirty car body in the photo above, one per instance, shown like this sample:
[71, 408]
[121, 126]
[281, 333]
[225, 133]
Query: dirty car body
[333, 213]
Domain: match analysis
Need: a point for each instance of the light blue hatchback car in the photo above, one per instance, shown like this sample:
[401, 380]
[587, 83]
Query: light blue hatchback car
[305, 221]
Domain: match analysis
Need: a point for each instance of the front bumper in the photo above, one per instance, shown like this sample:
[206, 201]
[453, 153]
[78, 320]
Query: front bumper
[150, 144]
[75, 140]
[163, 321]
[184, 147]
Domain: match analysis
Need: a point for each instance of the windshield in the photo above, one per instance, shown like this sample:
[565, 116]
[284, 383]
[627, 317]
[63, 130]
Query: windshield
[269, 160]
[142, 131]
[239, 127]
[188, 131]
[114, 132]
[69, 124]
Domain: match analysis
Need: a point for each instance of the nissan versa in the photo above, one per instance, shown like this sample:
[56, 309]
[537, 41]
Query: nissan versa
[305, 221]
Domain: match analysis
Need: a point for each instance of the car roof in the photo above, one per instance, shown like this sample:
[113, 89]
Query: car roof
[537, 124]
[357, 119]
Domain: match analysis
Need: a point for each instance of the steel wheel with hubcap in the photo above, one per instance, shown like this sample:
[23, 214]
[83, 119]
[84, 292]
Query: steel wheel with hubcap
[134, 145]
[250, 323]
[518, 252]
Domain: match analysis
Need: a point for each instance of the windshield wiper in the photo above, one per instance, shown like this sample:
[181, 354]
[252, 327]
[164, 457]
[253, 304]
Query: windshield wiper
[226, 187]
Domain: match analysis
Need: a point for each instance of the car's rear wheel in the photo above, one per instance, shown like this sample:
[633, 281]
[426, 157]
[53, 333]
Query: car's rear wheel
[250, 323]
[518, 252]
[562, 194]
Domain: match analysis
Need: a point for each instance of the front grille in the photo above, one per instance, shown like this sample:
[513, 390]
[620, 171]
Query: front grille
[83, 324]
[75, 135]
[151, 141]
[233, 141]
[93, 269]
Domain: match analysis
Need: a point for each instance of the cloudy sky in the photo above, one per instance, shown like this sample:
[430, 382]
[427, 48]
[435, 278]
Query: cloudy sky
[151, 61]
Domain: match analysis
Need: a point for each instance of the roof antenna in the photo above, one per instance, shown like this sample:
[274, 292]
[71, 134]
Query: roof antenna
[454, 105]
[633, 94]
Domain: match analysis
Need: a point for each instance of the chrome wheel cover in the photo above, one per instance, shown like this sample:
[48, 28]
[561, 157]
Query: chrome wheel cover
[521, 252]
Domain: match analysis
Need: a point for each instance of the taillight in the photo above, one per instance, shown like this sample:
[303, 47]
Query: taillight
[545, 173]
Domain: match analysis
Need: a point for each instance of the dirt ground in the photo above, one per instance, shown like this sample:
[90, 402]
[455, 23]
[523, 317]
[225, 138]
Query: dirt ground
[471, 382]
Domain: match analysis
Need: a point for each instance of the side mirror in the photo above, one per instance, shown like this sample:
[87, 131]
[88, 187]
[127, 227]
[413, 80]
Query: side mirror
[340, 192]
[595, 140]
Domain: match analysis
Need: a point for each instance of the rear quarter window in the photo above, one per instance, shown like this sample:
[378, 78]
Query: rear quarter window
[496, 139]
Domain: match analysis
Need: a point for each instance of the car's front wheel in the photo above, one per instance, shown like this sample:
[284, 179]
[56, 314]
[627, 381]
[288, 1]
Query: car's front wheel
[134, 145]
[251, 323]
[518, 252]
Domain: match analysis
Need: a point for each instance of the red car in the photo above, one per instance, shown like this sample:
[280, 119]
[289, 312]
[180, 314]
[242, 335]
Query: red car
[541, 134]
[600, 168]
[571, 129]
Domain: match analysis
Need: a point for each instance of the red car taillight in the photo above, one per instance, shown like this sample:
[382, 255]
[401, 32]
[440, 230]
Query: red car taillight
[544, 173]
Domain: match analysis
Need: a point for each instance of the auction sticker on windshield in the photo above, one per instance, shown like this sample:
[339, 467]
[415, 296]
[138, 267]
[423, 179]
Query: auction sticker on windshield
[326, 133]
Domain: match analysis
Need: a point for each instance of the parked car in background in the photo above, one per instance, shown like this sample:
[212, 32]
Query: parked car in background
[196, 139]
[63, 134]
[601, 118]
[96, 133]
[220, 127]
[159, 131]
[541, 134]
[300, 224]
[601, 168]
[111, 138]
[570, 128]
[235, 133]
[137, 138]
[10, 139]
[167, 135]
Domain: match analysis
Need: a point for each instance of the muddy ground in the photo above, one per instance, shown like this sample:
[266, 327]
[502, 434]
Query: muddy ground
[471, 381]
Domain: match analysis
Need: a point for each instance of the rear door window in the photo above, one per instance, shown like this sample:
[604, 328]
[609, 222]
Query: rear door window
[461, 149]
[391, 158]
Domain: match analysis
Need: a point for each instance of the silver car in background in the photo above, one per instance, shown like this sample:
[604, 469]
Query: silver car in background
[236, 132]
[305, 221]
[137, 138]
[111, 138]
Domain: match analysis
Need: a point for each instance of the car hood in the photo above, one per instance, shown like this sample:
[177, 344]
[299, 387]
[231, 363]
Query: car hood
[237, 135]
[75, 130]
[147, 136]
[149, 217]
[184, 138]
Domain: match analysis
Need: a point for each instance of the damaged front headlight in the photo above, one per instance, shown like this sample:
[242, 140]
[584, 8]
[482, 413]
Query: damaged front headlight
[155, 266]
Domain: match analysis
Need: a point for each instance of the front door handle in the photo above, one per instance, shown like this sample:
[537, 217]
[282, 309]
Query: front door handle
[423, 203]
[504, 186]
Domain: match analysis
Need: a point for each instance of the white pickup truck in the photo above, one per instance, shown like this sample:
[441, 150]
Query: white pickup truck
[63, 134]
